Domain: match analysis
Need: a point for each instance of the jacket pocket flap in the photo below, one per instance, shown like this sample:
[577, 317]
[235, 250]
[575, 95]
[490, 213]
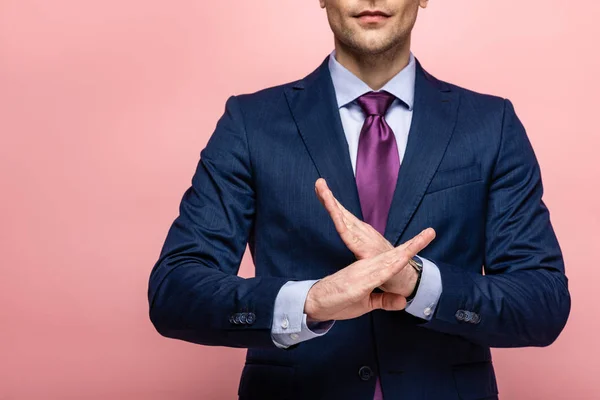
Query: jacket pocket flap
[448, 178]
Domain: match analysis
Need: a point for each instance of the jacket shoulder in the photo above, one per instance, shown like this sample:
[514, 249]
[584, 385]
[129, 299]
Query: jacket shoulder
[477, 99]
[468, 96]
[266, 97]
[275, 95]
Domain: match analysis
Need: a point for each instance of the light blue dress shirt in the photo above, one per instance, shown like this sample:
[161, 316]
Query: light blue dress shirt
[289, 320]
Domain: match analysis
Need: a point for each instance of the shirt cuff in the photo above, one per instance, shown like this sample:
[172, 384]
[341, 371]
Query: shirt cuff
[428, 293]
[289, 320]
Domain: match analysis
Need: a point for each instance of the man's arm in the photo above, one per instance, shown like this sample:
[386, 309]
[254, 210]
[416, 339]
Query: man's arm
[194, 292]
[290, 323]
[523, 299]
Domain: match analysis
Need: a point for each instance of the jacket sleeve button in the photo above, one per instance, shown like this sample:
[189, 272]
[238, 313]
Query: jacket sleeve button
[468, 316]
[251, 318]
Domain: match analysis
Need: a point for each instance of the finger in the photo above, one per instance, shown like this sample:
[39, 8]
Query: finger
[387, 301]
[407, 243]
[410, 241]
[350, 221]
[329, 202]
[382, 267]
[327, 196]
[348, 228]
[347, 214]
[318, 185]
[416, 244]
[321, 189]
[420, 242]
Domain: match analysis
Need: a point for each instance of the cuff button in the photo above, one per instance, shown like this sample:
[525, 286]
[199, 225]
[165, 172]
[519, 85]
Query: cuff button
[250, 318]
[468, 316]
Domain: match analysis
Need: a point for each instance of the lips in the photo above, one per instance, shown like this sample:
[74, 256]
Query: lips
[372, 18]
[372, 13]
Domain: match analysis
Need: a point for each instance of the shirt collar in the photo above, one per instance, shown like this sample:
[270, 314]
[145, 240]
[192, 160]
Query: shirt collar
[348, 87]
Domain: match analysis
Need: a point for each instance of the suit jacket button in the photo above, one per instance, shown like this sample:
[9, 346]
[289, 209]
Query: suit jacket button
[231, 319]
[236, 318]
[250, 318]
[468, 316]
[460, 315]
[365, 373]
[475, 319]
[243, 317]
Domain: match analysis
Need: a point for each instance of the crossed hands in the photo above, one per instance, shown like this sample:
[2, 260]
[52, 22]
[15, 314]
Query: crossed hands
[348, 293]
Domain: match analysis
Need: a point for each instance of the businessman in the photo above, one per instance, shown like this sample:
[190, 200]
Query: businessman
[395, 221]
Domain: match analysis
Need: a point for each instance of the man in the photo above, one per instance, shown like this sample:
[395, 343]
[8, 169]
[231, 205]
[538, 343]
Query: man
[337, 181]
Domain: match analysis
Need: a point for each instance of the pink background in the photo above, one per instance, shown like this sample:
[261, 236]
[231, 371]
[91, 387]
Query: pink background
[105, 106]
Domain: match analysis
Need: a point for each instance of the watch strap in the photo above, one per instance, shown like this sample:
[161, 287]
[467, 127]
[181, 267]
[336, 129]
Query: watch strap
[418, 266]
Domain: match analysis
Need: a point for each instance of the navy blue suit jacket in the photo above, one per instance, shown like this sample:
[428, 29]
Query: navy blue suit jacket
[469, 172]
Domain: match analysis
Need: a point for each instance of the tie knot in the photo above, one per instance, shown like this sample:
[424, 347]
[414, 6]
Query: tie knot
[376, 103]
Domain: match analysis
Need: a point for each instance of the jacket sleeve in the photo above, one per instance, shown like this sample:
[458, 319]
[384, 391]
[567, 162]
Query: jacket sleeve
[194, 292]
[523, 298]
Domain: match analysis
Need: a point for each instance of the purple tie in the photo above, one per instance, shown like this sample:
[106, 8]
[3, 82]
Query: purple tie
[377, 162]
[377, 166]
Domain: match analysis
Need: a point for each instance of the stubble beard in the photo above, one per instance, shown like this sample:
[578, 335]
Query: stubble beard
[377, 51]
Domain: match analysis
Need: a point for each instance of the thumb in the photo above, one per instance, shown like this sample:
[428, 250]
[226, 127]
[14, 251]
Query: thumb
[387, 301]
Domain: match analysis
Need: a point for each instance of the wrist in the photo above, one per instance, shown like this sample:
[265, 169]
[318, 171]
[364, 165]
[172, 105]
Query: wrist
[309, 307]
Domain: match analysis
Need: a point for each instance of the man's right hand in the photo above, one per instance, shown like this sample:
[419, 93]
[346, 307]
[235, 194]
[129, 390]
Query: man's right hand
[349, 292]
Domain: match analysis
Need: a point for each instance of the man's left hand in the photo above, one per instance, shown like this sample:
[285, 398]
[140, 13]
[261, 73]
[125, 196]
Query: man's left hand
[363, 240]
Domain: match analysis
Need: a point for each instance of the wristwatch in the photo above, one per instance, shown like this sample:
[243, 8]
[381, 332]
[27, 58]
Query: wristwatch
[417, 264]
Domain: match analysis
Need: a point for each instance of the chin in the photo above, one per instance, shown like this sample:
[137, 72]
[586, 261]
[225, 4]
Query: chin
[369, 42]
[374, 46]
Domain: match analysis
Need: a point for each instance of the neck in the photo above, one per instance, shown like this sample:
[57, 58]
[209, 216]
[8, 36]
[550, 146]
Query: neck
[374, 69]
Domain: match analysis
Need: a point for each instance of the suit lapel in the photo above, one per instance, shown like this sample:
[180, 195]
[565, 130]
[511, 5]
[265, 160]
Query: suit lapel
[433, 121]
[314, 108]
